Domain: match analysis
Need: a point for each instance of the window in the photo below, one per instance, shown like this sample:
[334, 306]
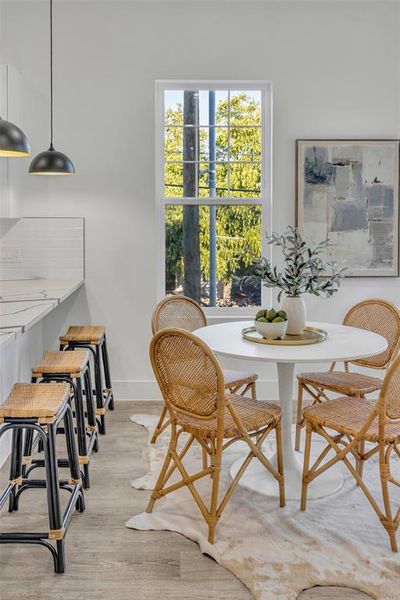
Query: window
[213, 180]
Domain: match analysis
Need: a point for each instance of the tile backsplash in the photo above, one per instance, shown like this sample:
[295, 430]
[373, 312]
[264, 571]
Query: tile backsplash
[37, 247]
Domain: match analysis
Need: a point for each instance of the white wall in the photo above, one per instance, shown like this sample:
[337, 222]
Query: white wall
[335, 68]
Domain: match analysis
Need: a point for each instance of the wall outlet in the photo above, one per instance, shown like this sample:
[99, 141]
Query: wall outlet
[11, 255]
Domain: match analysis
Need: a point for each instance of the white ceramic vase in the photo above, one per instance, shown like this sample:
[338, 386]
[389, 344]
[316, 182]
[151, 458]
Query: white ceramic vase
[296, 313]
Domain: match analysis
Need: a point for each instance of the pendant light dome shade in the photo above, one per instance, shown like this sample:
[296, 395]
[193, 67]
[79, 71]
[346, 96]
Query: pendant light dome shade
[13, 141]
[51, 162]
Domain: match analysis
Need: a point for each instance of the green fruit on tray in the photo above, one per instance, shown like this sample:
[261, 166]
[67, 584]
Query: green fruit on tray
[271, 316]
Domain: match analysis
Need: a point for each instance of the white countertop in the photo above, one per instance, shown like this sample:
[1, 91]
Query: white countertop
[24, 302]
[37, 289]
[24, 314]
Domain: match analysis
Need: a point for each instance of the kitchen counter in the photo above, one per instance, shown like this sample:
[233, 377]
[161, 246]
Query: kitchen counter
[37, 289]
[24, 302]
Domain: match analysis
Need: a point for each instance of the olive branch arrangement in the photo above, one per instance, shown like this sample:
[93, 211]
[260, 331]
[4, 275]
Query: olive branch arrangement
[304, 270]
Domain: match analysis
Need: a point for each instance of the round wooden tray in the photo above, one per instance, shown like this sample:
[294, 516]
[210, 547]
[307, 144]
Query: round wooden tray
[310, 335]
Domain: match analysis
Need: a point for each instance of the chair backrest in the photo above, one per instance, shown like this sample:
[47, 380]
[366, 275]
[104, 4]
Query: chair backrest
[379, 316]
[390, 392]
[180, 312]
[188, 373]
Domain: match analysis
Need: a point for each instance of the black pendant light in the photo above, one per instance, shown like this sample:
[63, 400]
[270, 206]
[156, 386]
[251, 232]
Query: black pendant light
[13, 141]
[51, 162]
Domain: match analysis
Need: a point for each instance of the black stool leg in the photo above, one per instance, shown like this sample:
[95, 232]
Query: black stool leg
[40, 442]
[99, 390]
[15, 466]
[90, 408]
[53, 497]
[107, 376]
[28, 444]
[73, 455]
[81, 432]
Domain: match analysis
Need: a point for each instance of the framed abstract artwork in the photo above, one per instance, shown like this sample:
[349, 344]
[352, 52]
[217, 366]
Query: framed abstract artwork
[348, 190]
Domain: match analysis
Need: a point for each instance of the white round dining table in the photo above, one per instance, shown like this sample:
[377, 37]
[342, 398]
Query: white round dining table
[341, 344]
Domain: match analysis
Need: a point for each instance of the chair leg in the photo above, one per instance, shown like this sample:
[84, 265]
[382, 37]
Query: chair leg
[306, 467]
[27, 452]
[160, 481]
[99, 389]
[253, 391]
[107, 376]
[90, 410]
[72, 453]
[360, 461]
[158, 428]
[40, 441]
[81, 432]
[299, 418]
[204, 456]
[53, 497]
[279, 455]
[216, 473]
[15, 466]
[384, 467]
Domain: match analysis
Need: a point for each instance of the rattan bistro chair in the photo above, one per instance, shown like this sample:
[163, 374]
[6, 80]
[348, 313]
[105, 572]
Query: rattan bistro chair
[185, 313]
[357, 420]
[193, 386]
[379, 316]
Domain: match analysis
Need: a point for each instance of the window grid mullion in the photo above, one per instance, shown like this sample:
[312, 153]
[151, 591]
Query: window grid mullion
[213, 126]
[229, 143]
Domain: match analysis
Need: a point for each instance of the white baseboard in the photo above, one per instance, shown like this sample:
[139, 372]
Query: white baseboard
[147, 389]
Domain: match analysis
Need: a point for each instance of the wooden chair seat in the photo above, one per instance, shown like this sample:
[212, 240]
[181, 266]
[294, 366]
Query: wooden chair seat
[254, 415]
[91, 334]
[238, 378]
[35, 401]
[347, 415]
[342, 382]
[72, 362]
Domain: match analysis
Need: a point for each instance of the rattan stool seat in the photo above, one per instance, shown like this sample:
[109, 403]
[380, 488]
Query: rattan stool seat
[252, 413]
[342, 382]
[35, 401]
[347, 415]
[91, 334]
[72, 362]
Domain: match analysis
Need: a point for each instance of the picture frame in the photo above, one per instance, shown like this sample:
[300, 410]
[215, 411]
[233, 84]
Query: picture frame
[348, 190]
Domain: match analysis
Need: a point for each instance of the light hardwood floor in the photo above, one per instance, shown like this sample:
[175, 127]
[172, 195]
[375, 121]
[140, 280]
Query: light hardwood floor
[105, 560]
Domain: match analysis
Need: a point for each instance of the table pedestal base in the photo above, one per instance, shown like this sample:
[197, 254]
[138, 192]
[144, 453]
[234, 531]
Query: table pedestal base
[257, 479]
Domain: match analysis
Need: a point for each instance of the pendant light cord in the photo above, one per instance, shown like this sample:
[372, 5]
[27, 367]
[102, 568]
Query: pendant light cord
[51, 74]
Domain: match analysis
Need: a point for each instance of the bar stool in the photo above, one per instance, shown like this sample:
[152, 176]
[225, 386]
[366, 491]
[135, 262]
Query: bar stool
[73, 368]
[40, 409]
[93, 337]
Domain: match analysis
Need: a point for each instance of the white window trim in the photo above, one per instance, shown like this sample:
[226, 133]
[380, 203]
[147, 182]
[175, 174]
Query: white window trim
[265, 200]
